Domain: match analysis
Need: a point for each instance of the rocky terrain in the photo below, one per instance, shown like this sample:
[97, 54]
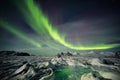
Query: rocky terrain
[64, 66]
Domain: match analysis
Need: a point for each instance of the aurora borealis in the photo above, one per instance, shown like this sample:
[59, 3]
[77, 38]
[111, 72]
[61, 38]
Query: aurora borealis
[50, 35]
[18, 33]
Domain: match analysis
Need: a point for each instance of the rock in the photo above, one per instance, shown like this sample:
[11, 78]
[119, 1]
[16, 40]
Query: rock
[22, 54]
[24, 72]
[67, 54]
[66, 61]
[108, 62]
[117, 54]
[58, 61]
[72, 62]
[107, 54]
[74, 53]
[7, 53]
[42, 65]
[13, 53]
[88, 76]
[93, 76]
[110, 75]
[95, 61]
[30, 72]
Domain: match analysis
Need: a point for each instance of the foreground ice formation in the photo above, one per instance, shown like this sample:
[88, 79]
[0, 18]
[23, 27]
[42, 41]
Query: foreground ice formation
[61, 67]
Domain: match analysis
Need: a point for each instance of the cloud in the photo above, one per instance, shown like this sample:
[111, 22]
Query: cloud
[114, 42]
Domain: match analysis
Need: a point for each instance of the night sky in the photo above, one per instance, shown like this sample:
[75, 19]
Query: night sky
[53, 26]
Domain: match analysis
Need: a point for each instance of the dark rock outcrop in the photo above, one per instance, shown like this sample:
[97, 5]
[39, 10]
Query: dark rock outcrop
[22, 54]
[66, 54]
[117, 54]
[108, 62]
[13, 53]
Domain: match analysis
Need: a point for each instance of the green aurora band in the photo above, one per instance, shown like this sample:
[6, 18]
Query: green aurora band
[40, 23]
[18, 33]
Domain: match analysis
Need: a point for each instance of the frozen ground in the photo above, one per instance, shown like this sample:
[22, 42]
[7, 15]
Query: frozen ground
[61, 67]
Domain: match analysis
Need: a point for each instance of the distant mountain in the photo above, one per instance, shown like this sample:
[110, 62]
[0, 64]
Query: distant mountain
[13, 53]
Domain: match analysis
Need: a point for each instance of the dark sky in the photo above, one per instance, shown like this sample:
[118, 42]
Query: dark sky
[72, 10]
[83, 21]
